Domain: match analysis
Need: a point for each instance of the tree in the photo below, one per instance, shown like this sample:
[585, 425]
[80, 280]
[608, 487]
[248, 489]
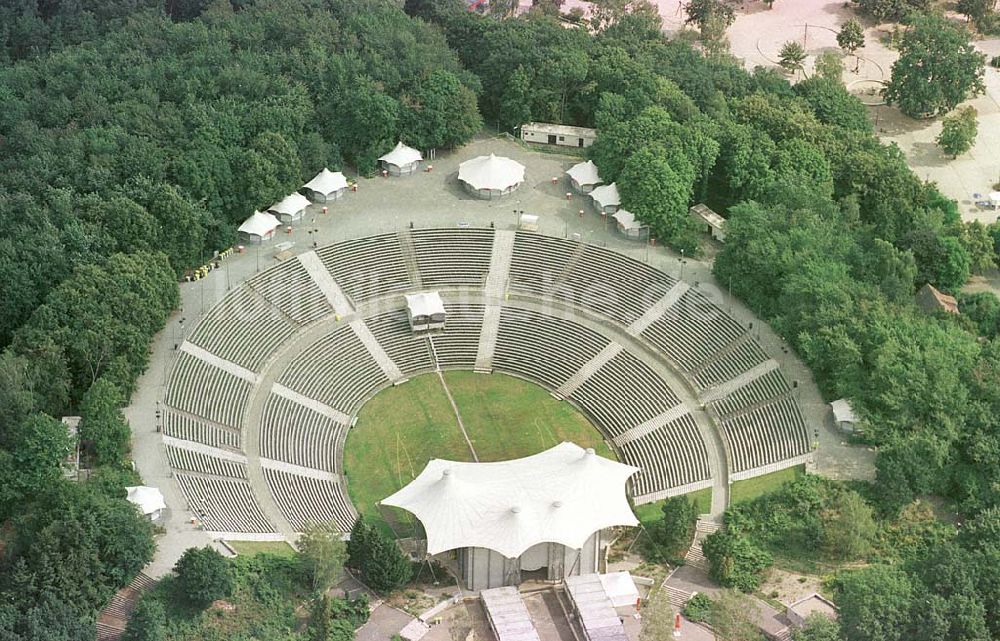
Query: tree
[203, 576]
[148, 622]
[656, 185]
[33, 463]
[703, 12]
[818, 627]
[874, 604]
[791, 56]
[975, 10]
[937, 69]
[829, 66]
[103, 426]
[958, 131]
[672, 533]
[850, 38]
[323, 552]
[892, 10]
[848, 526]
[735, 561]
[731, 618]
[976, 239]
[441, 113]
[382, 565]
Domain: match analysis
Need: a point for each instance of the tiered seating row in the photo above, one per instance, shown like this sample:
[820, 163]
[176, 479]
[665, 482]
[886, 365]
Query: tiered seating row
[295, 434]
[542, 347]
[200, 388]
[537, 261]
[191, 429]
[336, 370]
[457, 346]
[453, 257]
[743, 357]
[224, 505]
[303, 499]
[289, 287]
[692, 330]
[410, 353]
[671, 456]
[367, 267]
[623, 394]
[765, 388]
[243, 329]
[191, 461]
[765, 435]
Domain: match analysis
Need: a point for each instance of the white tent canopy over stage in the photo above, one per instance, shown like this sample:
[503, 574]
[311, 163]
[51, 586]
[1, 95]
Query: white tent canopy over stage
[327, 184]
[562, 495]
[489, 176]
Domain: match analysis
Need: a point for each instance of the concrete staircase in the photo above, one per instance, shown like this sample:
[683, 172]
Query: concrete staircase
[113, 619]
[695, 557]
[677, 597]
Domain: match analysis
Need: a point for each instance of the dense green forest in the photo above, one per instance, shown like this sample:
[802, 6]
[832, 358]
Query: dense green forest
[136, 133]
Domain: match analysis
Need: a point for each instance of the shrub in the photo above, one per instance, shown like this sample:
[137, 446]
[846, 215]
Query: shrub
[203, 575]
[698, 607]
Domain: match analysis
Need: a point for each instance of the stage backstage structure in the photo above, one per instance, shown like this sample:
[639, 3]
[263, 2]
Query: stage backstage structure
[539, 517]
[425, 311]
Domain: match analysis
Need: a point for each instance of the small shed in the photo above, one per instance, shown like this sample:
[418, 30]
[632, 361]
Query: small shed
[149, 500]
[401, 161]
[799, 611]
[490, 177]
[528, 222]
[606, 198]
[584, 176]
[548, 133]
[995, 199]
[844, 416]
[258, 227]
[628, 225]
[711, 222]
[326, 186]
[425, 311]
[290, 208]
[932, 300]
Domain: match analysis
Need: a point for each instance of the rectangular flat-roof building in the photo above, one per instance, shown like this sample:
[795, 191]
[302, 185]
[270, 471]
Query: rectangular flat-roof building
[548, 133]
[711, 222]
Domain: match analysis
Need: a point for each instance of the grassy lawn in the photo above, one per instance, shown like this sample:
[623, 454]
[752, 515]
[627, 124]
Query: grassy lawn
[249, 548]
[752, 488]
[650, 512]
[402, 428]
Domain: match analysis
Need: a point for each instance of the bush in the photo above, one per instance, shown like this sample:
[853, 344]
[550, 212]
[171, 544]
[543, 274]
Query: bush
[203, 576]
[148, 622]
[735, 561]
[670, 535]
[698, 607]
[378, 559]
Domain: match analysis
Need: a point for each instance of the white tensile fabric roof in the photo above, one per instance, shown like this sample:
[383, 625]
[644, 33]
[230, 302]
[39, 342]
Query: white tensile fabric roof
[290, 204]
[402, 155]
[491, 172]
[584, 173]
[626, 219]
[620, 588]
[327, 182]
[148, 499]
[424, 304]
[259, 224]
[606, 195]
[843, 412]
[562, 495]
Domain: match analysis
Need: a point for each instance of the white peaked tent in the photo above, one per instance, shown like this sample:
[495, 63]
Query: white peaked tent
[562, 495]
[259, 226]
[402, 160]
[627, 224]
[289, 208]
[844, 415]
[491, 176]
[149, 500]
[425, 310]
[326, 186]
[584, 176]
[606, 198]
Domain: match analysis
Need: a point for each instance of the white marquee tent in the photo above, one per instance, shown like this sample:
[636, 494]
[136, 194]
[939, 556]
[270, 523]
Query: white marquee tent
[491, 176]
[149, 500]
[425, 310]
[327, 185]
[627, 224]
[584, 176]
[606, 198]
[561, 495]
[289, 208]
[402, 160]
[259, 226]
[844, 415]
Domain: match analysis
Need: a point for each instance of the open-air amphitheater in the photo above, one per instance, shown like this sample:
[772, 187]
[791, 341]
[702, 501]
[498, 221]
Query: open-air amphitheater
[262, 393]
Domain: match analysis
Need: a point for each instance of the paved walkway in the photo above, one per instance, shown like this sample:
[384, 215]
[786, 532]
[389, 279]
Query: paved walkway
[434, 199]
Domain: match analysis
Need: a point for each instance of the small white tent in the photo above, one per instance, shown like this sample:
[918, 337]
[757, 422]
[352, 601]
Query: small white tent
[426, 311]
[627, 224]
[258, 227]
[326, 186]
[402, 160]
[606, 198]
[289, 208]
[584, 176]
[149, 500]
[491, 176]
[844, 416]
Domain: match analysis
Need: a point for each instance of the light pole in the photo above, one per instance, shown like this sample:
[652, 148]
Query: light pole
[682, 264]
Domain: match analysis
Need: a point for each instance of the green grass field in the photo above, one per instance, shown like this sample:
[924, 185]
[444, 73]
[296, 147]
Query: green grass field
[752, 488]
[403, 427]
[650, 512]
[250, 548]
